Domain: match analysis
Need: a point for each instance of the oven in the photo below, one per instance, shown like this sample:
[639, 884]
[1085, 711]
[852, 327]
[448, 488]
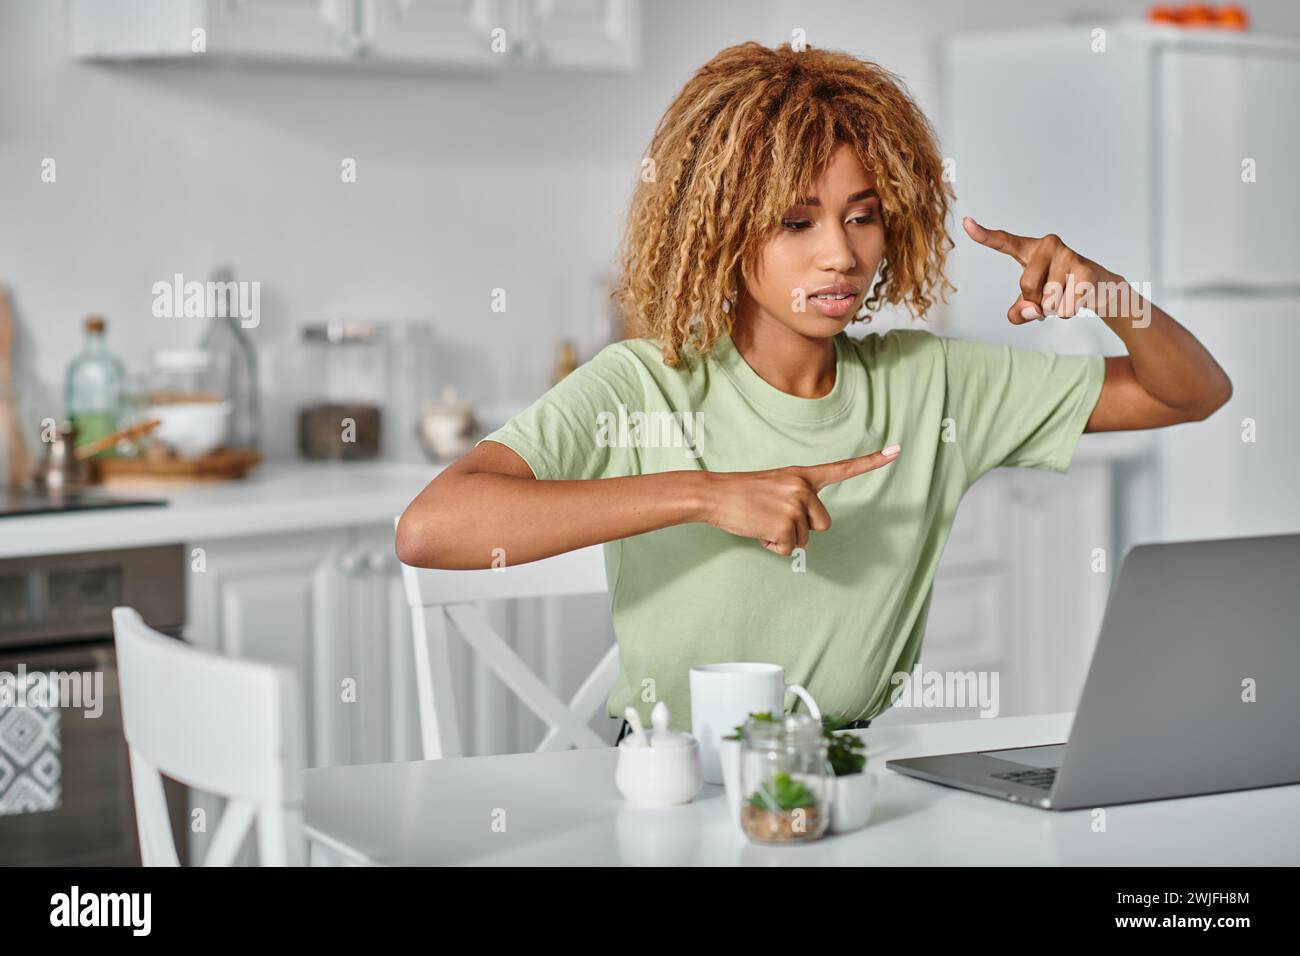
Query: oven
[65, 780]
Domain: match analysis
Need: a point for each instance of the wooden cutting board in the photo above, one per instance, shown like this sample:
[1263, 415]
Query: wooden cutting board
[224, 464]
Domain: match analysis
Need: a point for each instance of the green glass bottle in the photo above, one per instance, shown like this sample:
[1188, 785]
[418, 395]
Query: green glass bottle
[92, 388]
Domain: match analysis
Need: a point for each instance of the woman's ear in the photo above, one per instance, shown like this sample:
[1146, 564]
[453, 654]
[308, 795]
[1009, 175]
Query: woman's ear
[733, 294]
[735, 297]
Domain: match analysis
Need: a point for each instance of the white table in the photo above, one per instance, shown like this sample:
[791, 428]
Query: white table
[563, 809]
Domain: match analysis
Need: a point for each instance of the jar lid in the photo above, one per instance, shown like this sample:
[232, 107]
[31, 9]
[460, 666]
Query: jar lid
[800, 728]
[660, 733]
[449, 401]
[339, 332]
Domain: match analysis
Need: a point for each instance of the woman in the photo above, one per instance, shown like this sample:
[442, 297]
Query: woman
[742, 460]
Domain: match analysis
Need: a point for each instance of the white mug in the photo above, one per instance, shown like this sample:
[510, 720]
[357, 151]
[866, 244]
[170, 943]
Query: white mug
[724, 695]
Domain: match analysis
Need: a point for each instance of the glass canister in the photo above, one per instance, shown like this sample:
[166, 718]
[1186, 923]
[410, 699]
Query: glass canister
[786, 780]
[349, 361]
[180, 376]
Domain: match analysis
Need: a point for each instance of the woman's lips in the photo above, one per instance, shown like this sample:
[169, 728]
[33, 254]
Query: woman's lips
[834, 308]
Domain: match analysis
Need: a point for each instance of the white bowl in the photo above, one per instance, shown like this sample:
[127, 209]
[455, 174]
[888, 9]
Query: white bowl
[191, 429]
[658, 776]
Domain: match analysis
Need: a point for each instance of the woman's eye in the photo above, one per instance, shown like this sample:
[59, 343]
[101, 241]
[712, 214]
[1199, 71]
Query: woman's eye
[798, 225]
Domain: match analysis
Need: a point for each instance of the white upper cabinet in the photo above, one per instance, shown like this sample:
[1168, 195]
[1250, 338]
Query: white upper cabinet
[593, 34]
[312, 29]
[487, 34]
[1228, 192]
[453, 32]
[318, 30]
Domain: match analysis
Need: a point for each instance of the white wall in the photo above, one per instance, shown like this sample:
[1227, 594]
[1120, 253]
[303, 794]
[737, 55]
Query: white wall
[465, 184]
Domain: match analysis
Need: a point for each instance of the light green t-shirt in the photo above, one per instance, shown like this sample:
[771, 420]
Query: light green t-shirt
[850, 612]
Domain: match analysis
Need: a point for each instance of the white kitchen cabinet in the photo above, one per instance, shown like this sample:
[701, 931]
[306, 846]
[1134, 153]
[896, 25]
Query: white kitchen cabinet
[313, 30]
[285, 599]
[572, 34]
[481, 34]
[1235, 473]
[581, 34]
[1229, 202]
[452, 32]
[329, 605]
[965, 630]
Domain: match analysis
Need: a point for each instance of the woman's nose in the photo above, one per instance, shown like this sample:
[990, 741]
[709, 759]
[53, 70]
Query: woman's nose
[837, 253]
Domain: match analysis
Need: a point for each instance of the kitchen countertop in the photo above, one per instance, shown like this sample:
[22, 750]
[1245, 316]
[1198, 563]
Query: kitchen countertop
[277, 496]
[287, 496]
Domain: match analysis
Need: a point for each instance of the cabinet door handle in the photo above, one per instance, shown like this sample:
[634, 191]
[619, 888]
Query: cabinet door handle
[377, 560]
[349, 562]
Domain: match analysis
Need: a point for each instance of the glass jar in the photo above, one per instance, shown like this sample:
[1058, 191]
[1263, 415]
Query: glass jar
[786, 780]
[181, 376]
[349, 369]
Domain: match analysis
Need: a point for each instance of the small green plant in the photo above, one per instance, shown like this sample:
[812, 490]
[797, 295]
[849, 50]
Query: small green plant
[784, 794]
[765, 716]
[842, 750]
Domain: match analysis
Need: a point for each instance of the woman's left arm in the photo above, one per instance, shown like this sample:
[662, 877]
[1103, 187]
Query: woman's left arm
[1167, 377]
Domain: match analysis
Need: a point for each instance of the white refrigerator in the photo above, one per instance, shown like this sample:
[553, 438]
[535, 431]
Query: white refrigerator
[1168, 155]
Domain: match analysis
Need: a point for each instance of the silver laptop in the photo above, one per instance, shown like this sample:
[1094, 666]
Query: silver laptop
[1194, 686]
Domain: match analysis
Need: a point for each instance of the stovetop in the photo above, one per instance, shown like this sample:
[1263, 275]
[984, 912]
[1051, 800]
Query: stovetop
[14, 503]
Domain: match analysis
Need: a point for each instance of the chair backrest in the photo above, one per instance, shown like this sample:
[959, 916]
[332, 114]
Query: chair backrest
[438, 597]
[227, 726]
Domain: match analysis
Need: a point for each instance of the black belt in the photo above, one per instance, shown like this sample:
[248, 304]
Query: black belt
[855, 725]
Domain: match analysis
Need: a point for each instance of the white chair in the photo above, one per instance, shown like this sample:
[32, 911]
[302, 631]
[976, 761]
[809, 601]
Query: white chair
[227, 726]
[437, 597]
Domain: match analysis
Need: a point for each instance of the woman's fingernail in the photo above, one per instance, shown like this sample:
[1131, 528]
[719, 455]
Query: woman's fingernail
[891, 451]
[1029, 312]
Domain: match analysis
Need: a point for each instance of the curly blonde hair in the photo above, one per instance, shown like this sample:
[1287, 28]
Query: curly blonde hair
[746, 139]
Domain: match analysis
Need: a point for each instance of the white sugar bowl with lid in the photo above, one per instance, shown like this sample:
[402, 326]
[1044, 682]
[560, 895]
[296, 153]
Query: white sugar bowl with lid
[660, 768]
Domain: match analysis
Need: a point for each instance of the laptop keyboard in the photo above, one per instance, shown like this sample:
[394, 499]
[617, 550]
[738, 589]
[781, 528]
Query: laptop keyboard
[1040, 777]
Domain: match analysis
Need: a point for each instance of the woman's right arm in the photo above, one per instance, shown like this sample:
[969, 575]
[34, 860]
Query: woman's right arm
[489, 499]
